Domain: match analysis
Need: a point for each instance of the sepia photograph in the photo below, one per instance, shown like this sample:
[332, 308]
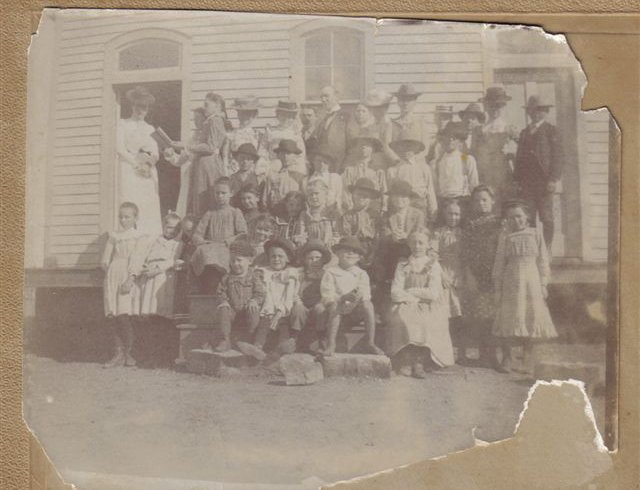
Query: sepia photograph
[281, 251]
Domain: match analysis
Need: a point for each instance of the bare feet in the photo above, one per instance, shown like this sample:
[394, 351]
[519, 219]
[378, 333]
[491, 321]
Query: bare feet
[374, 349]
[252, 350]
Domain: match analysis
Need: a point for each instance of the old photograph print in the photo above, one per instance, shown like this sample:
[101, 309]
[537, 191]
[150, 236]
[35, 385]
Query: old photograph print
[278, 251]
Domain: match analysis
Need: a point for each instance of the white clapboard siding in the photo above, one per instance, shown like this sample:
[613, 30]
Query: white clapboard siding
[597, 140]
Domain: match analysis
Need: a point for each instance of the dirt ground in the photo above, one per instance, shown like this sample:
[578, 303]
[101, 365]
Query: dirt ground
[250, 427]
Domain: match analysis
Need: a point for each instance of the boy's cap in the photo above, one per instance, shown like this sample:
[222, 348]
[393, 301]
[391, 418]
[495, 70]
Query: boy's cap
[315, 245]
[284, 244]
[247, 149]
[288, 146]
[349, 243]
[401, 188]
[474, 109]
[366, 185]
[366, 141]
[242, 248]
[402, 146]
[455, 129]
[289, 106]
[407, 91]
[248, 103]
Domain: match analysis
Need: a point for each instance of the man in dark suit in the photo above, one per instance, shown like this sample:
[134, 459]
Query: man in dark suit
[331, 130]
[538, 164]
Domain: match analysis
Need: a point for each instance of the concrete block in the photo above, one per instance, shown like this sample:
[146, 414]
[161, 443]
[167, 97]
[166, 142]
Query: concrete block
[300, 369]
[357, 365]
[590, 373]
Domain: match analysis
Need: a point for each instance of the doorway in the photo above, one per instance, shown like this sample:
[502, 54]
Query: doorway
[556, 85]
[166, 113]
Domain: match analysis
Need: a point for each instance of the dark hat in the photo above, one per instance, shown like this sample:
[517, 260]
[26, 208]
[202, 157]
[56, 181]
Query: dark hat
[284, 244]
[315, 245]
[377, 98]
[364, 140]
[473, 108]
[401, 146]
[247, 149]
[536, 102]
[495, 95]
[401, 188]
[366, 185]
[349, 243]
[243, 248]
[407, 91]
[324, 152]
[288, 146]
[250, 187]
[455, 129]
[287, 106]
[248, 103]
[140, 95]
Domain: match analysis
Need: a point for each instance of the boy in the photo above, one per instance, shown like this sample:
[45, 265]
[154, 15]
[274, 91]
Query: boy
[240, 295]
[246, 157]
[317, 221]
[360, 221]
[287, 179]
[247, 200]
[364, 149]
[346, 291]
[455, 173]
[309, 311]
[417, 173]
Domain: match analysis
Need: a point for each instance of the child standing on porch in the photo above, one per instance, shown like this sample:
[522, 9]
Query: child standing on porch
[119, 261]
[520, 274]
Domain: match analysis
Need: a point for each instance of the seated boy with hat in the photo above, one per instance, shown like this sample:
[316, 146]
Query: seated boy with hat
[309, 311]
[346, 292]
[246, 157]
[278, 184]
[416, 173]
[361, 221]
[240, 295]
[363, 149]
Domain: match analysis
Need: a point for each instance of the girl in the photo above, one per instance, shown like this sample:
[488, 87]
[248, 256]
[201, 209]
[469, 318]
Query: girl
[321, 161]
[282, 285]
[318, 221]
[479, 244]
[217, 229]
[520, 274]
[418, 323]
[120, 261]
[211, 164]
[157, 291]
[448, 241]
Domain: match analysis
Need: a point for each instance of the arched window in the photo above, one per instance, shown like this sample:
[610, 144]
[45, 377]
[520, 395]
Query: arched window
[334, 56]
[148, 54]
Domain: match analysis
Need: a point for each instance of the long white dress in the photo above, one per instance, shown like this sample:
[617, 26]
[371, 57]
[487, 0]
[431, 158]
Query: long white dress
[133, 139]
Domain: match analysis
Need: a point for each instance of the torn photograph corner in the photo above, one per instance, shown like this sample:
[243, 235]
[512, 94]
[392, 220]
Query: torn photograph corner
[283, 251]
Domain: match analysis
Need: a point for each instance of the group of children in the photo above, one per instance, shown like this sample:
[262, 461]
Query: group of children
[289, 257]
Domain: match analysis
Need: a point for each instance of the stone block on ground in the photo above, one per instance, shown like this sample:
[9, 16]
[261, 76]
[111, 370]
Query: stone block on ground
[300, 369]
[205, 361]
[590, 373]
[357, 365]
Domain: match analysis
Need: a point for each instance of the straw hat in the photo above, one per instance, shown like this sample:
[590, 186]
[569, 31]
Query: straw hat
[407, 92]
[473, 108]
[402, 146]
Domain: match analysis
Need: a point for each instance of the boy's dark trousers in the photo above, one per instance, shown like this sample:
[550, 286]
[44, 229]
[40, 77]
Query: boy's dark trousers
[540, 202]
[239, 323]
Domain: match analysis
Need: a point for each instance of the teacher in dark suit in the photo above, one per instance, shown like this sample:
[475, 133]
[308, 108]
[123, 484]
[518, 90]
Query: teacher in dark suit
[538, 164]
[331, 129]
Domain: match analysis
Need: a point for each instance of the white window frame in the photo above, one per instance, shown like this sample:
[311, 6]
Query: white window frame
[113, 76]
[297, 81]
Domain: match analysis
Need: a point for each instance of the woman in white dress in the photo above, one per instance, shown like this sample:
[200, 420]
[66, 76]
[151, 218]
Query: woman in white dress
[137, 157]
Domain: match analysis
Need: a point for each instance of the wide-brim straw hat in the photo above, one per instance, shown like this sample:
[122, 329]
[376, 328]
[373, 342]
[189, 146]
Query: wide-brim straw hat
[248, 103]
[374, 143]
[401, 188]
[284, 244]
[366, 185]
[495, 95]
[402, 146]
[287, 106]
[537, 102]
[287, 146]
[140, 95]
[407, 91]
[377, 98]
[349, 243]
[315, 245]
[455, 129]
[473, 108]
[247, 149]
